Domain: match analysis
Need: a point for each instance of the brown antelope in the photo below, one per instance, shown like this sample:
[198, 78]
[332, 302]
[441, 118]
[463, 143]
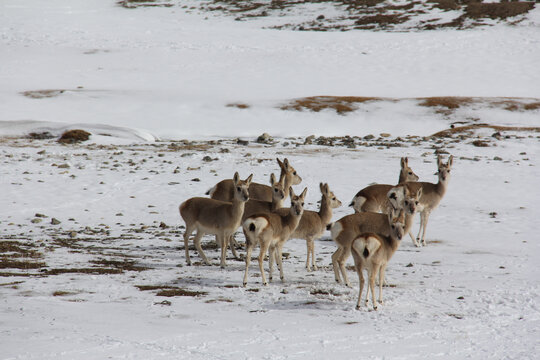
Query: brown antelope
[346, 229]
[209, 216]
[373, 198]
[313, 224]
[372, 251]
[224, 190]
[271, 231]
[432, 195]
[254, 206]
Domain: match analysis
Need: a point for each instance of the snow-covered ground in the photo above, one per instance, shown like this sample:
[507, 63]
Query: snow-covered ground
[87, 287]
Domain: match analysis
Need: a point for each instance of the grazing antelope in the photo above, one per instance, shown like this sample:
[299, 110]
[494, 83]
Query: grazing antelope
[224, 190]
[271, 231]
[209, 216]
[432, 195]
[313, 224]
[373, 198]
[372, 251]
[346, 229]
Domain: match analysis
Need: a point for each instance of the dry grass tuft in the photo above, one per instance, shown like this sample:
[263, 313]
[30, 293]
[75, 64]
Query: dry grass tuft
[43, 94]
[239, 105]
[470, 128]
[341, 104]
[74, 136]
[500, 10]
[449, 102]
[170, 291]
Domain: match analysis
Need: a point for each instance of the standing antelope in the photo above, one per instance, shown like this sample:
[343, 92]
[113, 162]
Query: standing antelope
[373, 251]
[432, 195]
[373, 198]
[209, 216]
[271, 231]
[313, 224]
[346, 229]
[224, 190]
[254, 206]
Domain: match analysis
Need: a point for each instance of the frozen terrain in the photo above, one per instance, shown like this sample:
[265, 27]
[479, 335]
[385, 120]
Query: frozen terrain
[92, 263]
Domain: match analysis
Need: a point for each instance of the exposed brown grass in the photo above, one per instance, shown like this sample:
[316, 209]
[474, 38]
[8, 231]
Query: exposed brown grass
[6, 263]
[121, 265]
[500, 10]
[170, 291]
[91, 271]
[43, 94]
[381, 20]
[239, 105]
[341, 104]
[74, 136]
[469, 128]
[449, 102]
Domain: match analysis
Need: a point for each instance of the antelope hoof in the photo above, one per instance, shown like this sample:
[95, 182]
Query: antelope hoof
[358, 307]
[375, 308]
[244, 284]
[265, 283]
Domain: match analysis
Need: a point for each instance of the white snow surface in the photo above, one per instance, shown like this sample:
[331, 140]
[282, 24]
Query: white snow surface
[141, 79]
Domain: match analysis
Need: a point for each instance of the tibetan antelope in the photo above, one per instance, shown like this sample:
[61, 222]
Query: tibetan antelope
[346, 229]
[210, 216]
[432, 195]
[373, 198]
[271, 231]
[224, 190]
[313, 224]
[372, 251]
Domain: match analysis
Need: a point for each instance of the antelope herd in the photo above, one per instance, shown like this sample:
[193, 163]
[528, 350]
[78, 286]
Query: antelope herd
[382, 215]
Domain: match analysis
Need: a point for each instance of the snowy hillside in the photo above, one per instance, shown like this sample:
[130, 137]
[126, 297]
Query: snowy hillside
[175, 94]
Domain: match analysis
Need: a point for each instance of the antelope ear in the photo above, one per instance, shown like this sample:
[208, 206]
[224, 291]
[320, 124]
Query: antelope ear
[439, 160]
[291, 192]
[404, 162]
[236, 178]
[286, 162]
[450, 160]
[281, 165]
[321, 186]
[303, 194]
[419, 193]
[248, 180]
[272, 179]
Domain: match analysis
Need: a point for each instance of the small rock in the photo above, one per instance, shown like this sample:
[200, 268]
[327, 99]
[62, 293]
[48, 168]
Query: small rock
[163, 225]
[38, 215]
[208, 158]
[55, 221]
[196, 179]
[369, 137]
[309, 140]
[265, 138]
[385, 135]
[497, 158]
[409, 265]
[64, 166]
[320, 17]
[73, 234]
[36, 220]
[242, 142]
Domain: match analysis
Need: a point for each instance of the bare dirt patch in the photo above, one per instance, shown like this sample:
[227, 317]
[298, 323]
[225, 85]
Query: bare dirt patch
[170, 291]
[468, 129]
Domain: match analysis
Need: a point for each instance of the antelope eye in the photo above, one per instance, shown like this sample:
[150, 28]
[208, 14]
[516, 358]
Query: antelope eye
[275, 190]
[416, 202]
[302, 204]
[238, 188]
[406, 202]
[294, 173]
[333, 198]
[410, 172]
[393, 226]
